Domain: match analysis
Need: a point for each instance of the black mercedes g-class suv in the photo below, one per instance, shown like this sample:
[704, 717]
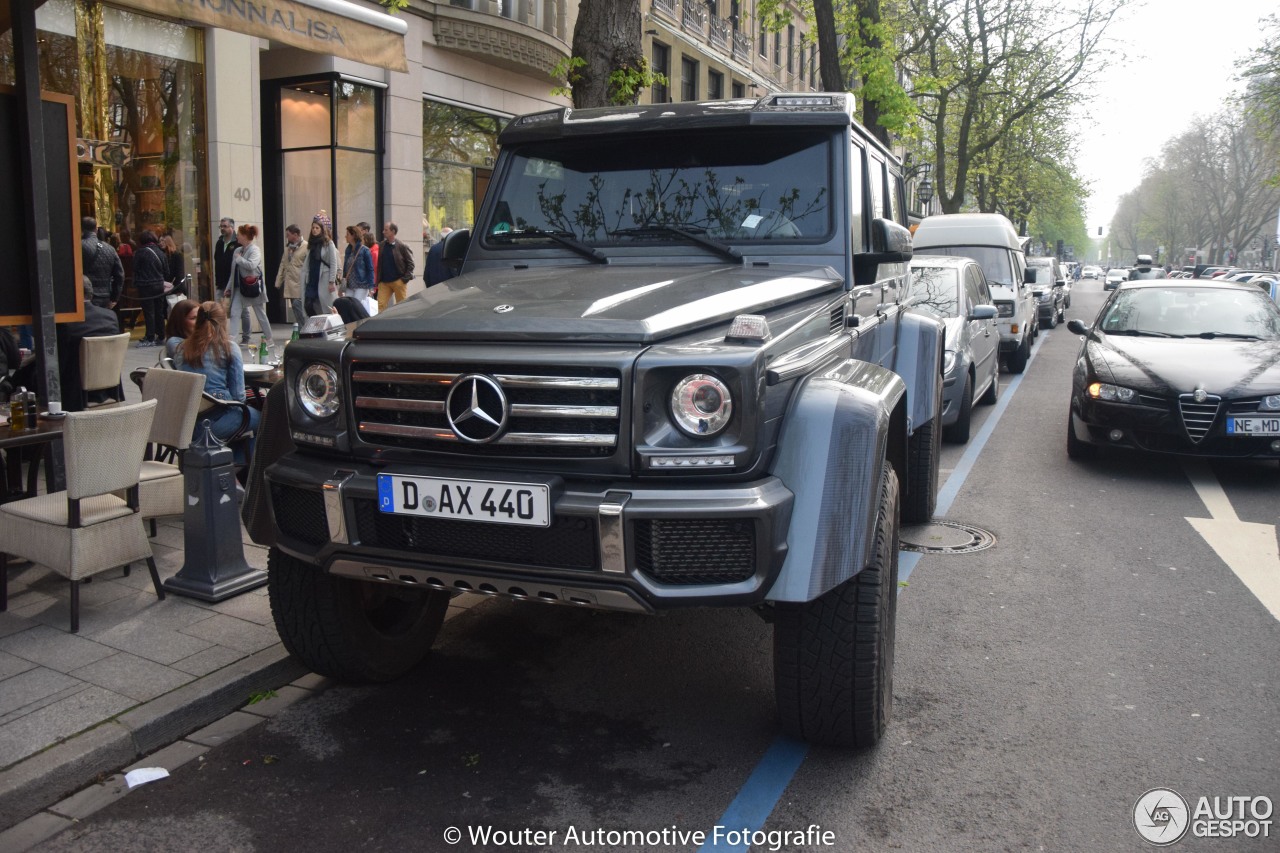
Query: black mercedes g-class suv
[676, 369]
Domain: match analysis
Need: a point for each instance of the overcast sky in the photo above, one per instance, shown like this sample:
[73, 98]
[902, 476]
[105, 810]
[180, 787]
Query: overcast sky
[1179, 62]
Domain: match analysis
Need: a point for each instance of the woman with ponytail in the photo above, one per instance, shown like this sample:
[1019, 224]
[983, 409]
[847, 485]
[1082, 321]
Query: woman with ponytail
[209, 350]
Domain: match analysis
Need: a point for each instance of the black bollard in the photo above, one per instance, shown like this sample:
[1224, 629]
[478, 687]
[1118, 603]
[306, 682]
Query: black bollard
[214, 568]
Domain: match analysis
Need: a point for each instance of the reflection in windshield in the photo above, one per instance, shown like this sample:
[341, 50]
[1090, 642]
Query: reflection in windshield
[994, 262]
[935, 288]
[704, 183]
[1043, 275]
[1192, 312]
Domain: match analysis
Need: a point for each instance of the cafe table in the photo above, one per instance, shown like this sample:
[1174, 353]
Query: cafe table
[47, 438]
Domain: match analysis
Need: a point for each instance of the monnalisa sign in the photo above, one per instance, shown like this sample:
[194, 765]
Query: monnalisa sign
[322, 26]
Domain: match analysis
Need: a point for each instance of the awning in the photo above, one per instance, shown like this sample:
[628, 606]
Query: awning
[331, 27]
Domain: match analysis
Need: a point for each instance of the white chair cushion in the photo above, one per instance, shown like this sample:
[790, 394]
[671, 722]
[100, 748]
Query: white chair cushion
[152, 470]
[52, 509]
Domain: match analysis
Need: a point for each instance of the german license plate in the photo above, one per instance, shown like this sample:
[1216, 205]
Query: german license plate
[1253, 426]
[527, 504]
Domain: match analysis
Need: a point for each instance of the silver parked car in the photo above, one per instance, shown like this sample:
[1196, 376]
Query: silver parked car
[955, 290]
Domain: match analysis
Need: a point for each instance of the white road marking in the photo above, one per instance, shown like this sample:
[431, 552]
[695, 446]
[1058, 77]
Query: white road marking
[1249, 549]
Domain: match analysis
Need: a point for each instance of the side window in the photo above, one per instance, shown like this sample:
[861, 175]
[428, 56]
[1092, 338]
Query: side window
[876, 176]
[983, 292]
[971, 286]
[856, 234]
[895, 198]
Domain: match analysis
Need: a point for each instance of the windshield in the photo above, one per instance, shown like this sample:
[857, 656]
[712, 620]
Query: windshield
[634, 189]
[1193, 312]
[994, 262]
[1147, 272]
[935, 288]
[1043, 275]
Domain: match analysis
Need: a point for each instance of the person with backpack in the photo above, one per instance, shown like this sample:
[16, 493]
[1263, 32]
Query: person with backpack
[245, 286]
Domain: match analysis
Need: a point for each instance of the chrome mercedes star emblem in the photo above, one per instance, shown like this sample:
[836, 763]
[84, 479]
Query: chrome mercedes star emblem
[503, 309]
[476, 408]
[1200, 395]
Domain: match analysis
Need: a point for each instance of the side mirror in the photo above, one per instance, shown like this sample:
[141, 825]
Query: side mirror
[1077, 327]
[455, 248]
[1028, 276]
[890, 243]
[982, 312]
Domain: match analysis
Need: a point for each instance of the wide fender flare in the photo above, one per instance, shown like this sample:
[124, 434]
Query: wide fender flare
[918, 360]
[838, 431]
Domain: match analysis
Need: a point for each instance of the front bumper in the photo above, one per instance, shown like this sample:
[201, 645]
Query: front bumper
[1160, 429]
[619, 546]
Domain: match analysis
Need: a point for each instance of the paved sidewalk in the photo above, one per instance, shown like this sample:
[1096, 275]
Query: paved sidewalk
[141, 673]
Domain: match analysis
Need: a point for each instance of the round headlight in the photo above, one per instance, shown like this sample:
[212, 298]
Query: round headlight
[317, 389]
[948, 361]
[1271, 403]
[701, 405]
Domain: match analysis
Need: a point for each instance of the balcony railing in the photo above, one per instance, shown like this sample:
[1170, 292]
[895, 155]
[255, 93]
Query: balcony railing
[667, 7]
[742, 48]
[694, 18]
[718, 34]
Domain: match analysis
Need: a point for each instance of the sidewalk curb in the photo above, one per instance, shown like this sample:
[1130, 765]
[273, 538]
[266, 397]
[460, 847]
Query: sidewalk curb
[32, 784]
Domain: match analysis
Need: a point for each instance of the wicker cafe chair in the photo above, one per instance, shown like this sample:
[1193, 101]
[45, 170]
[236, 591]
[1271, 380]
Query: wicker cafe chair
[86, 529]
[160, 485]
[101, 363]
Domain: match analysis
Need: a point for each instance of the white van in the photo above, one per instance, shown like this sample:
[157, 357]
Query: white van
[991, 240]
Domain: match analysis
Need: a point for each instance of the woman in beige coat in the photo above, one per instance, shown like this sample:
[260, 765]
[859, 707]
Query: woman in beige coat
[289, 276]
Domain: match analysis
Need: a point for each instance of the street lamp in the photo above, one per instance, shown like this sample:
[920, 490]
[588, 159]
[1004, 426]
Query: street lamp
[924, 189]
[925, 192]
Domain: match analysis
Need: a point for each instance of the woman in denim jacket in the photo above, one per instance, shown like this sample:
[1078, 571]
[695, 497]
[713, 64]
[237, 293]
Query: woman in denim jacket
[208, 350]
[357, 267]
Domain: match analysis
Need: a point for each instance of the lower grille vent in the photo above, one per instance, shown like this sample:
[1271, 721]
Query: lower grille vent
[300, 514]
[569, 543]
[695, 551]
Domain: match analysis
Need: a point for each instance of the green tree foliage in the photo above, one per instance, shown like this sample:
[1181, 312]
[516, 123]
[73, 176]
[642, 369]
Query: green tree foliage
[983, 70]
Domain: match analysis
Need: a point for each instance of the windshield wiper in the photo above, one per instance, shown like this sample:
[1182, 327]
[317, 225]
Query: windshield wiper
[692, 233]
[1145, 333]
[560, 237]
[1237, 335]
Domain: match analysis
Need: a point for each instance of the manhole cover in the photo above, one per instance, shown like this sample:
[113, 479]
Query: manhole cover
[945, 537]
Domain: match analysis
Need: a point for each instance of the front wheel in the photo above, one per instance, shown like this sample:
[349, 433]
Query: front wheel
[958, 432]
[347, 629]
[1017, 360]
[992, 394]
[833, 656]
[1053, 319]
[924, 448]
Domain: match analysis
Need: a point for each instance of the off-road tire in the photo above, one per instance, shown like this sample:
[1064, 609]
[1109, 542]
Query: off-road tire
[1053, 319]
[924, 449]
[1077, 449]
[351, 630]
[992, 395]
[958, 432]
[1066, 303]
[833, 656]
[1017, 360]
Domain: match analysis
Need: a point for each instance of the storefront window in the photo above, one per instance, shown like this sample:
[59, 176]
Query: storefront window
[329, 152]
[458, 149]
[141, 128]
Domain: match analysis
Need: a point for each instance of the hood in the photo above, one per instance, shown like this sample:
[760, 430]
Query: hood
[598, 304]
[1180, 365]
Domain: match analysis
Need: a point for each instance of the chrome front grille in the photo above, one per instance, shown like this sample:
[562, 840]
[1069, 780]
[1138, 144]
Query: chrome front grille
[1198, 418]
[552, 411]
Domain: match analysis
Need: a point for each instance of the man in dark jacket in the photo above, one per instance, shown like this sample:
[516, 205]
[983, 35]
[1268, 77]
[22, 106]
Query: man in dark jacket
[395, 267]
[97, 322]
[150, 270]
[223, 254]
[101, 264]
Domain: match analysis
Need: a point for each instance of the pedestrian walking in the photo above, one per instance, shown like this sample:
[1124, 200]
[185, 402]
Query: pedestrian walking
[289, 275]
[150, 270]
[320, 267]
[101, 264]
[357, 266]
[224, 251]
[395, 267]
[245, 286]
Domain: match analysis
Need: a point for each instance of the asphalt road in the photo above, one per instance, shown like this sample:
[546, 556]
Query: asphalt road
[1101, 649]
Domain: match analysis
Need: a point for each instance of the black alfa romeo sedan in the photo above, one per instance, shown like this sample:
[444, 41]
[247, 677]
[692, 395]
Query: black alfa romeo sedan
[1186, 367]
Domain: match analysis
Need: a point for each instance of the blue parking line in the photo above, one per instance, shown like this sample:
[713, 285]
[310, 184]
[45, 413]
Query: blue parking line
[759, 795]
